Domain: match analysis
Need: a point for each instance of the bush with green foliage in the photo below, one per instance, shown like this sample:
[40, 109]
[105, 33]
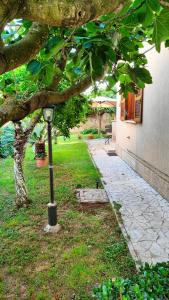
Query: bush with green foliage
[151, 283]
[89, 131]
[38, 133]
[69, 114]
[6, 141]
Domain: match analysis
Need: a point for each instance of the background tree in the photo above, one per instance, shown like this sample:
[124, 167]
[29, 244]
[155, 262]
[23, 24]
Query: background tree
[79, 53]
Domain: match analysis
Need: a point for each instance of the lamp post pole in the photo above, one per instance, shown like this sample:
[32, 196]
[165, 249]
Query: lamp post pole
[52, 208]
[53, 226]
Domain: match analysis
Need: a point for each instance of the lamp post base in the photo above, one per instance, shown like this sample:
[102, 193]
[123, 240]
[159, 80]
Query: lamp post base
[52, 229]
[52, 226]
[52, 214]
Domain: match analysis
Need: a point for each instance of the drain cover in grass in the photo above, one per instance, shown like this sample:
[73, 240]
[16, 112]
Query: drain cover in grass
[92, 196]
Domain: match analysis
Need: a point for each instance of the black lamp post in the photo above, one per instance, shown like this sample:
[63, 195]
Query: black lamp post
[48, 114]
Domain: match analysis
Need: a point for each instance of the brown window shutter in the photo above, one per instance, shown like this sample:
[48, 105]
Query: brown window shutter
[131, 106]
[138, 108]
[123, 109]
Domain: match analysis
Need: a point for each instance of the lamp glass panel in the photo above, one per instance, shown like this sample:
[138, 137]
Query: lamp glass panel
[48, 114]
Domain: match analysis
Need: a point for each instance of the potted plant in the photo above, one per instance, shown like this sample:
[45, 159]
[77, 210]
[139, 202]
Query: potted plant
[37, 140]
[90, 136]
[40, 154]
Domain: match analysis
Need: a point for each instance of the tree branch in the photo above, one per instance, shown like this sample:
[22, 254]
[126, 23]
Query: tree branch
[8, 10]
[12, 110]
[66, 13]
[54, 13]
[21, 52]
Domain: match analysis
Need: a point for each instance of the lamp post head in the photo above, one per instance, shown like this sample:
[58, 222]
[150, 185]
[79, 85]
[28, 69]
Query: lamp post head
[48, 114]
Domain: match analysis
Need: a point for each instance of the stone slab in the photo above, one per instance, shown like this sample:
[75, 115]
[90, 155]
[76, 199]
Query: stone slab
[92, 196]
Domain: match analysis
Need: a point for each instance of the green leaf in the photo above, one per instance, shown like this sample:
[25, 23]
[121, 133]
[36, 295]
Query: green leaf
[140, 84]
[26, 23]
[124, 78]
[77, 71]
[143, 75]
[137, 3]
[34, 66]
[2, 83]
[10, 89]
[97, 65]
[123, 68]
[167, 43]
[49, 73]
[111, 55]
[148, 16]
[161, 28]
[153, 4]
[92, 28]
[54, 47]
[87, 45]
[112, 80]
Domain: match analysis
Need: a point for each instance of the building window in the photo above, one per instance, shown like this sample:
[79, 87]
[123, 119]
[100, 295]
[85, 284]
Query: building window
[132, 107]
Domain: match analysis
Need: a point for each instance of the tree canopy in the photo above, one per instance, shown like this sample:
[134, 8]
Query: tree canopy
[51, 51]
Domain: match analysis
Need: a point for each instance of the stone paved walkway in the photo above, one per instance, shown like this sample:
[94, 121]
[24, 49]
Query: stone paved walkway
[144, 212]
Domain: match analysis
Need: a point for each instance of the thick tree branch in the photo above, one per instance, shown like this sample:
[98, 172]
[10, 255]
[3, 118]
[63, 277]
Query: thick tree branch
[8, 10]
[54, 13]
[66, 12]
[13, 110]
[21, 52]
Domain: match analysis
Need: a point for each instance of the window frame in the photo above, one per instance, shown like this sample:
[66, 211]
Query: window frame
[132, 108]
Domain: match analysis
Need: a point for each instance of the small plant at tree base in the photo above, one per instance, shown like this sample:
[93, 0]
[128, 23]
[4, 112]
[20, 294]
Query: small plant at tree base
[151, 283]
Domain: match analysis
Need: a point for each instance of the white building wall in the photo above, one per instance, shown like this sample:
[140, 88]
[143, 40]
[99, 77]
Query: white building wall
[146, 146]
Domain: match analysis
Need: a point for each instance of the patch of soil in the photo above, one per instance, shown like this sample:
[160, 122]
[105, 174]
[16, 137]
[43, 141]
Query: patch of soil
[91, 208]
[43, 266]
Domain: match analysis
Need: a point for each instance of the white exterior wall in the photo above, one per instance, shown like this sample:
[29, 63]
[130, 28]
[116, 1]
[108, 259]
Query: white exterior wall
[146, 146]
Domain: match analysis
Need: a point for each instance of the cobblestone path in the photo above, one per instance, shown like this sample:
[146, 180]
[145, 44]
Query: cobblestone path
[145, 213]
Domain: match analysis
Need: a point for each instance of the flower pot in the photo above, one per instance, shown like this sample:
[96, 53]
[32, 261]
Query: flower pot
[90, 136]
[41, 162]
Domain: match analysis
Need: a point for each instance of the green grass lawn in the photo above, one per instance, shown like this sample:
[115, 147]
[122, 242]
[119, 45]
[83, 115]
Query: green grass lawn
[88, 249]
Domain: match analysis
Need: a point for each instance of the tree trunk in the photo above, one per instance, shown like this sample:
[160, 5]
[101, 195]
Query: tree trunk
[99, 122]
[21, 138]
[21, 199]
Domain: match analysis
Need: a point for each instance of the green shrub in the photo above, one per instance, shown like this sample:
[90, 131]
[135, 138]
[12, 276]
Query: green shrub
[150, 283]
[6, 141]
[90, 130]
